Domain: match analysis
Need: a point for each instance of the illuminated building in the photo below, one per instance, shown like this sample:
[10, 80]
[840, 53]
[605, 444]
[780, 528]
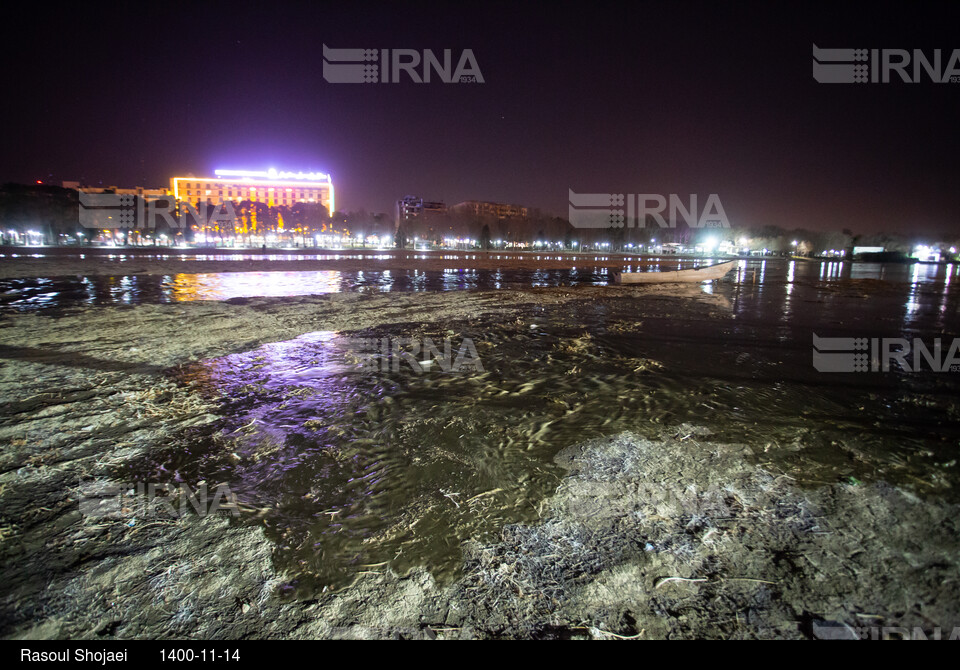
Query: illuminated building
[271, 187]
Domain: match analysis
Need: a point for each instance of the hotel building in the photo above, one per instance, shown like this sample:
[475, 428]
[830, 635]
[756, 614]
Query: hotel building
[270, 187]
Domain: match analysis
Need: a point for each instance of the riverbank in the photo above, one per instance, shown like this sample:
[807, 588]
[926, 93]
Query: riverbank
[20, 262]
[678, 531]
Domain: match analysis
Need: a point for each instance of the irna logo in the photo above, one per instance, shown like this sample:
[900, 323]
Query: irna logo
[392, 66]
[862, 66]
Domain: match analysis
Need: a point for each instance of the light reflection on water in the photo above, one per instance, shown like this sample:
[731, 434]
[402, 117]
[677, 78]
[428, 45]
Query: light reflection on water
[356, 254]
[60, 292]
[348, 468]
[227, 285]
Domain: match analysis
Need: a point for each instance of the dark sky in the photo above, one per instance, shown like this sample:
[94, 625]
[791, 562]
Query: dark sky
[643, 98]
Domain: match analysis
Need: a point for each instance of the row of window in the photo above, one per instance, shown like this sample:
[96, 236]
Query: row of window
[211, 185]
[279, 201]
[298, 194]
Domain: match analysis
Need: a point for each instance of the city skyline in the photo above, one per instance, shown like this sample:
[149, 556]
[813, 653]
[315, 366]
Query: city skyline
[620, 101]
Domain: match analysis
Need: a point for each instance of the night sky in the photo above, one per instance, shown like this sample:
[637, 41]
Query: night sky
[652, 98]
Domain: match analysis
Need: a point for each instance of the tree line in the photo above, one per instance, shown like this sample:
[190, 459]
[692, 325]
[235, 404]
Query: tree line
[51, 215]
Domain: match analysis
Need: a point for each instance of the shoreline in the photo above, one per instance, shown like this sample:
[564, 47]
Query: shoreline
[139, 261]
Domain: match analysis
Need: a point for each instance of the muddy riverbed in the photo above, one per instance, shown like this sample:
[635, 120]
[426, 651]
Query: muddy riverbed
[634, 462]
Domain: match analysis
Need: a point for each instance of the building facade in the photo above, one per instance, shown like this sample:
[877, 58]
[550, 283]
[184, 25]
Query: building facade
[140, 191]
[412, 207]
[494, 209]
[270, 187]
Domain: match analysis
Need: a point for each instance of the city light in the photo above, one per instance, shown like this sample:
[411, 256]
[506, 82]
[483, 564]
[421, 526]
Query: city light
[274, 174]
[926, 253]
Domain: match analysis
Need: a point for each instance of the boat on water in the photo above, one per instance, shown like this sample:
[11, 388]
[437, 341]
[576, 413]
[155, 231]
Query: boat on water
[700, 274]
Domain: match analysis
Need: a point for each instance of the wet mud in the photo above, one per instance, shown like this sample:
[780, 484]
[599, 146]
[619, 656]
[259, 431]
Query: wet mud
[624, 462]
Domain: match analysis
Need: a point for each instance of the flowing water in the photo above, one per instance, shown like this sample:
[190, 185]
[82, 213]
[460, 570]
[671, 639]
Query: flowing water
[354, 460]
[33, 294]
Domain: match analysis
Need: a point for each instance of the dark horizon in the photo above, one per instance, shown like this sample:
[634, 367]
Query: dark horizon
[688, 98]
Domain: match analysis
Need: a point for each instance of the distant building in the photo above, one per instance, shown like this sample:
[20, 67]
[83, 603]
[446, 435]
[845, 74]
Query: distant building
[270, 187]
[867, 250]
[494, 209]
[412, 207]
[145, 193]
